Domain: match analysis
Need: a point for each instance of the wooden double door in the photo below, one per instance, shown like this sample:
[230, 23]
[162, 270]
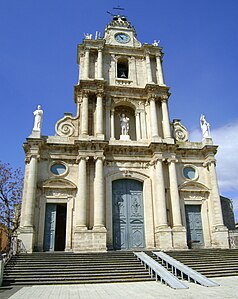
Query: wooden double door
[194, 226]
[128, 214]
[55, 227]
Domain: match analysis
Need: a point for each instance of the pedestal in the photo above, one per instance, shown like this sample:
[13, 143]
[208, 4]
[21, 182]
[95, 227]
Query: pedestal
[179, 237]
[220, 237]
[125, 137]
[89, 240]
[27, 236]
[163, 238]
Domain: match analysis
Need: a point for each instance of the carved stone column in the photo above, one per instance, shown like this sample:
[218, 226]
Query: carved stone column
[26, 230]
[148, 68]
[162, 231]
[99, 194]
[153, 119]
[143, 125]
[112, 124]
[84, 119]
[138, 126]
[31, 191]
[219, 231]
[100, 76]
[178, 231]
[165, 116]
[86, 64]
[160, 201]
[81, 197]
[215, 195]
[99, 116]
[175, 201]
[160, 75]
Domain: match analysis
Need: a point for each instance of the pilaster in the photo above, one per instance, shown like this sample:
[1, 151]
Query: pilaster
[163, 238]
[178, 230]
[219, 232]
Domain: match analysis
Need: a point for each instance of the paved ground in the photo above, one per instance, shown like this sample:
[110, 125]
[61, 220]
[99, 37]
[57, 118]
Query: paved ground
[141, 290]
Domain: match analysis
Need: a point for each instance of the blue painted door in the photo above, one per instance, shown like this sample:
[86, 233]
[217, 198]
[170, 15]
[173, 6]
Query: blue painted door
[50, 227]
[128, 214]
[194, 226]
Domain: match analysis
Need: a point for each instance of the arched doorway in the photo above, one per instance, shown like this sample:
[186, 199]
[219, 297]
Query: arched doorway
[128, 214]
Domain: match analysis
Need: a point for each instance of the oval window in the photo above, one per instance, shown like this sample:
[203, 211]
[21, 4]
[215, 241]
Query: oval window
[58, 169]
[189, 172]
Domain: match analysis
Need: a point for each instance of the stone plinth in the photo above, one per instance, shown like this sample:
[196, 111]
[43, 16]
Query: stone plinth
[89, 240]
[125, 137]
[179, 238]
[163, 238]
[220, 237]
[27, 236]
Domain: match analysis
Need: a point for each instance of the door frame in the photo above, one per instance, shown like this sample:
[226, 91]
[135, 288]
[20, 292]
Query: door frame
[68, 200]
[129, 221]
[200, 211]
[149, 233]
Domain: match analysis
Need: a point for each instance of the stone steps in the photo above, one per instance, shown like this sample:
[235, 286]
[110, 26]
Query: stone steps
[209, 262]
[68, 268]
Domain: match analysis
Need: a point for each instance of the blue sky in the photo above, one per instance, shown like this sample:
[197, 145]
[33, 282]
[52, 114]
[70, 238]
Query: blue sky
[38, 45]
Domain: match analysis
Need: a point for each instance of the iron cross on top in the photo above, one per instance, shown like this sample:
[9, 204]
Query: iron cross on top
[118, 9]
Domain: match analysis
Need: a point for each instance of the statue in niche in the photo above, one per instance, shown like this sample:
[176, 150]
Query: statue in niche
[205, 127]
[38, 118]
[124, 121]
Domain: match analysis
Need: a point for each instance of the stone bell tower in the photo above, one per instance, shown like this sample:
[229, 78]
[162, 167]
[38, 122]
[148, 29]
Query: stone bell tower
[119, 175]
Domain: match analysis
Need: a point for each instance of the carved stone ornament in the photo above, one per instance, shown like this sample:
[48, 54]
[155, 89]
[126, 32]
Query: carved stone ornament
[67, 126]
[180, 132]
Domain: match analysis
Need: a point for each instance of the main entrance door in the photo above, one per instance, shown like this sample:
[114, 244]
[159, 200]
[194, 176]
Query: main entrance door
[194, 226]
[128, 214]
[55, 227]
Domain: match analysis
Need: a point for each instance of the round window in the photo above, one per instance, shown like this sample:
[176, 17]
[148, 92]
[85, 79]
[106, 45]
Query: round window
[189, 172]
[58, 169]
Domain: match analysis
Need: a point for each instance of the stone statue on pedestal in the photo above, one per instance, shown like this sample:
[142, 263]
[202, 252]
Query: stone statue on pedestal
[124, 121]
[205, 127]
[38, 118]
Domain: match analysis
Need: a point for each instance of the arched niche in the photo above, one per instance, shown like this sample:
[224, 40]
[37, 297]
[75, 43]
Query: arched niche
[130, 113]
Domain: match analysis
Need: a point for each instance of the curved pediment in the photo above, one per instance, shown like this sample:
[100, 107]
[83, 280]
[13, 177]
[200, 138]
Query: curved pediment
[58, 184]
[193, 187]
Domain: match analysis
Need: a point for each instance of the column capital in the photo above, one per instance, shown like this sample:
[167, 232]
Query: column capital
[164, 98]
[30, 156]
[209, 162]
[100, 93]
[100, 48]
[96, 157]
[79, 158]
[151, 97]
[147, 52]
[171, 160]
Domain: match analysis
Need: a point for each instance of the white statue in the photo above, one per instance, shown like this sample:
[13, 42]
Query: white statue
[38, 118]
[88, 35]
[156, 43]
[205, 127]
[124, 121]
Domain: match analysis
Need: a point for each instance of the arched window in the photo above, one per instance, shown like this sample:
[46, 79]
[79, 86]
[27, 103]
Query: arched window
[122, 68]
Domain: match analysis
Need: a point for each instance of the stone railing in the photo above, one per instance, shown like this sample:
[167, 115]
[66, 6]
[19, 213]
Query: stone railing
[16, 246]
[123, 82]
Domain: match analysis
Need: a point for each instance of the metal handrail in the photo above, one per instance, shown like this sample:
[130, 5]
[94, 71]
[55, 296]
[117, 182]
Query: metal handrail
[184, 270]
[159, 271]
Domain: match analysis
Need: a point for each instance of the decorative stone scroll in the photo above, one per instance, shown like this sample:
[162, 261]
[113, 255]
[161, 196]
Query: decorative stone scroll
[180, 132]
[67, 126]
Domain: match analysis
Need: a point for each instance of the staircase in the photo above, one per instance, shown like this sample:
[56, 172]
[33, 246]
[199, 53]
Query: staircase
[73, 268]
[209, 262]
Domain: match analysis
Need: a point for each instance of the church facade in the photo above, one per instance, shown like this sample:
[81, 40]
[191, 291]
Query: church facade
[120, 175]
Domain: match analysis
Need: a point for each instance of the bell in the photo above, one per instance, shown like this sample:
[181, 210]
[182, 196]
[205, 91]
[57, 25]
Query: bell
[123, 75]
